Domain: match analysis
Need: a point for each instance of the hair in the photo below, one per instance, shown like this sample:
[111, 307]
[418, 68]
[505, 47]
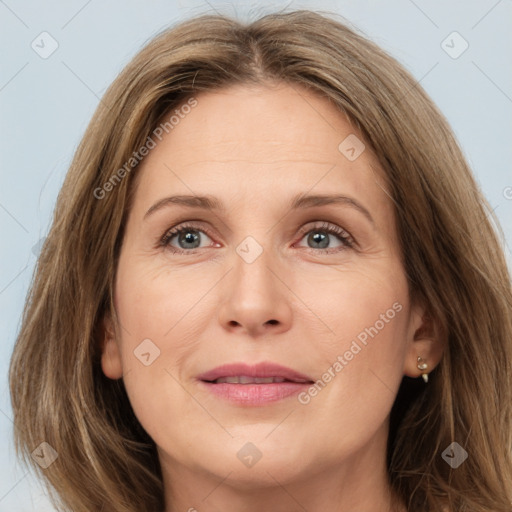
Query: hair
[449, 240]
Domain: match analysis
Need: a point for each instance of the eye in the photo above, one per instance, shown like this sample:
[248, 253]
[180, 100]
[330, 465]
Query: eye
[188, 237]
[319, 236]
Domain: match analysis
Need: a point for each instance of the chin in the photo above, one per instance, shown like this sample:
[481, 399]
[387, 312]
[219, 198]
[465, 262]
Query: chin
[253, 464]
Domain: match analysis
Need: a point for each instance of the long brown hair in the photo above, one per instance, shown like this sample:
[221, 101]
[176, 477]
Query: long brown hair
[451, 252]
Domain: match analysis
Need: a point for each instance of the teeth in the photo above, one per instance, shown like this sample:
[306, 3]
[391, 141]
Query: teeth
[244, 379]
[267, 380]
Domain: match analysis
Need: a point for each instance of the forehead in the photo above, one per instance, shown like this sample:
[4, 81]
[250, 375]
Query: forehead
[266, 117]
[260, 141]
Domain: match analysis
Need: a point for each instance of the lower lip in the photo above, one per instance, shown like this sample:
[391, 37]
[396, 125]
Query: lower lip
[255, 394]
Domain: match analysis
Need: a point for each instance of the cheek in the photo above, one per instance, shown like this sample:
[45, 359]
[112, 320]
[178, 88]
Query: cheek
[161, 305]
[162, 314]
[359, 360]
[363, 302]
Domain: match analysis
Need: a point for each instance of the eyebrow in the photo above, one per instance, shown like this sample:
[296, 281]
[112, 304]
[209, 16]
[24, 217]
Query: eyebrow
[298, 202]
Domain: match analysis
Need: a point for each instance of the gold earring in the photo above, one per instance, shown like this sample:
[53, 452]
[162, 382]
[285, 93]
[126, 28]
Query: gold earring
[423, 366]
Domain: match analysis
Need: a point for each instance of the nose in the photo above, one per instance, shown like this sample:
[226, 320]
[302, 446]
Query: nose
[256, 300]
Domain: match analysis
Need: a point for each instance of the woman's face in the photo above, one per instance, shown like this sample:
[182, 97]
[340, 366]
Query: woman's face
[289, 275]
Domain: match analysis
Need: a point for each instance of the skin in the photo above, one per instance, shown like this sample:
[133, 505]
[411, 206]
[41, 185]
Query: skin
[254, 148]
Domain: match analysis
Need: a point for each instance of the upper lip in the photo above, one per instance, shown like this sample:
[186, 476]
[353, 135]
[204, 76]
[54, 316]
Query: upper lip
[265, 369]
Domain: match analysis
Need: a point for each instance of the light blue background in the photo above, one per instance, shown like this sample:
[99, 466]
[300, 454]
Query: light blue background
[46, 105]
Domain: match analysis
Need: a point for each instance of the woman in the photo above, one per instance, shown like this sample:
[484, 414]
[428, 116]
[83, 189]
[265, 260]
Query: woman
[187, 345]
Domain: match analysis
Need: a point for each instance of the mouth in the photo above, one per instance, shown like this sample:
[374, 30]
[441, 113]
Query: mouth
[253, 385]
[245, 379]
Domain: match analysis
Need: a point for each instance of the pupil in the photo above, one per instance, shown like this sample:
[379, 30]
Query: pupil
[320, 238]
[190, 238]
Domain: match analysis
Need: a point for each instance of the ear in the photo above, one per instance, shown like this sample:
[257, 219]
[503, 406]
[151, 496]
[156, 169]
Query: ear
[111, 362]
[425, 340]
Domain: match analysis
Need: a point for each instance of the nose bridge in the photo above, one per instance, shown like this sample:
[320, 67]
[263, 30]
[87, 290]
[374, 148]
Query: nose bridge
[252, 276]
[255, 250]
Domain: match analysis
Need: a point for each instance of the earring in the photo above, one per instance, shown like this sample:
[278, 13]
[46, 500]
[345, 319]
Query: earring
[423, 366]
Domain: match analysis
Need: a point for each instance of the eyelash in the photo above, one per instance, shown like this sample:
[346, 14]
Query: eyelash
[346, 239]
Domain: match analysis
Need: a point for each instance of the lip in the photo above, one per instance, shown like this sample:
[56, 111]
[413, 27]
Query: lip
[254, 394]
